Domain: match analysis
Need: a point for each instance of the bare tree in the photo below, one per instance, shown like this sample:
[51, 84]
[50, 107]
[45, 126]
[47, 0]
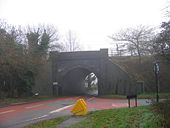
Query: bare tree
[70, 42]
[138, 40]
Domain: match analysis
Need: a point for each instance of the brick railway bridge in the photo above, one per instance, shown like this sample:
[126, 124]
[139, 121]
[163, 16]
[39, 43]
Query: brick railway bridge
[69, 70]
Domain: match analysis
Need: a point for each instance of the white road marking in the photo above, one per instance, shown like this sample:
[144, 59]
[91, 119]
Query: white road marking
[90, 98]
[60, 109]
[114, 105]
[54, 111]
[57, 110]
[37, 118]
[119, 104]
[63, 108]
[7, 112]
[34, 106]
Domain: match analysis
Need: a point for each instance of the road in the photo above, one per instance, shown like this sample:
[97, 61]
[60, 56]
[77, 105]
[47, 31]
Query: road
[19, 116]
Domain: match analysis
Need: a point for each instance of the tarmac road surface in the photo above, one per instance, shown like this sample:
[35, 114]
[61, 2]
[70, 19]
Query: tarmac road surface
[18, 116]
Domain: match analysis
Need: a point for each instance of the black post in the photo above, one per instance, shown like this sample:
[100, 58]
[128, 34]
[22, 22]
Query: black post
[129, 102]
[136, 104]
[157, 87]
[156, 70]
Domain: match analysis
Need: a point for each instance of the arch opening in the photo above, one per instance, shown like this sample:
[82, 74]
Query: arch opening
[79, 81]
[91, 84]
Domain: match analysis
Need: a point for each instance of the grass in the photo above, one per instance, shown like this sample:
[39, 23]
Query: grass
[153, 95]
[52, 123]
[114, 96]
[140, 96]
[140, 117]
[10, 101]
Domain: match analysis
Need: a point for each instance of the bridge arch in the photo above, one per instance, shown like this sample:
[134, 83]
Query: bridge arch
[73, 80]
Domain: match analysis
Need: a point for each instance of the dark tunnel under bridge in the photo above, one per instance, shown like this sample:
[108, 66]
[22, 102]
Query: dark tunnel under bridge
[74, 82]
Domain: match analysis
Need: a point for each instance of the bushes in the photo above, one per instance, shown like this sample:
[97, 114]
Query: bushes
[163, 109]
[22, 53]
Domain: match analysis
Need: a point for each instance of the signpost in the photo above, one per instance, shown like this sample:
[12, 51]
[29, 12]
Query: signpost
[130, 97]
[156, 70]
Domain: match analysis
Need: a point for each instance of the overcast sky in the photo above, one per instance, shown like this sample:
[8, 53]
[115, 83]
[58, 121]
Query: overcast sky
[91, 20]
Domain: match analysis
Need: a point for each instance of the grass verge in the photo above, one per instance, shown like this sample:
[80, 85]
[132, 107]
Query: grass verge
[52, 123]
[153, 95]
[140, 96]
[140, 117]
[10, 101]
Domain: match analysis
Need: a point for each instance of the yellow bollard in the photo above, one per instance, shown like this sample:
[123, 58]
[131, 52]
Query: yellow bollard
[80, 107]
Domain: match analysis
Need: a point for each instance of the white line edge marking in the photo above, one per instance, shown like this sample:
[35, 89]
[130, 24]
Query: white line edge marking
[63, 108]
[37, 118]
[34, 106]
[90, 98]
[114, 105]
[60, 109]
[40, 117]
[7, 111]
[118, 104]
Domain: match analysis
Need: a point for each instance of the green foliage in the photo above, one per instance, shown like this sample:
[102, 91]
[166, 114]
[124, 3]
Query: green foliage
[163, 109]
[144, 71]
[38, 42]
[140, 96]
[21, 58]
[14, 68]
[153, 96]
[44, 43]
[48, 123]
[140, 117]
[10, 101]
